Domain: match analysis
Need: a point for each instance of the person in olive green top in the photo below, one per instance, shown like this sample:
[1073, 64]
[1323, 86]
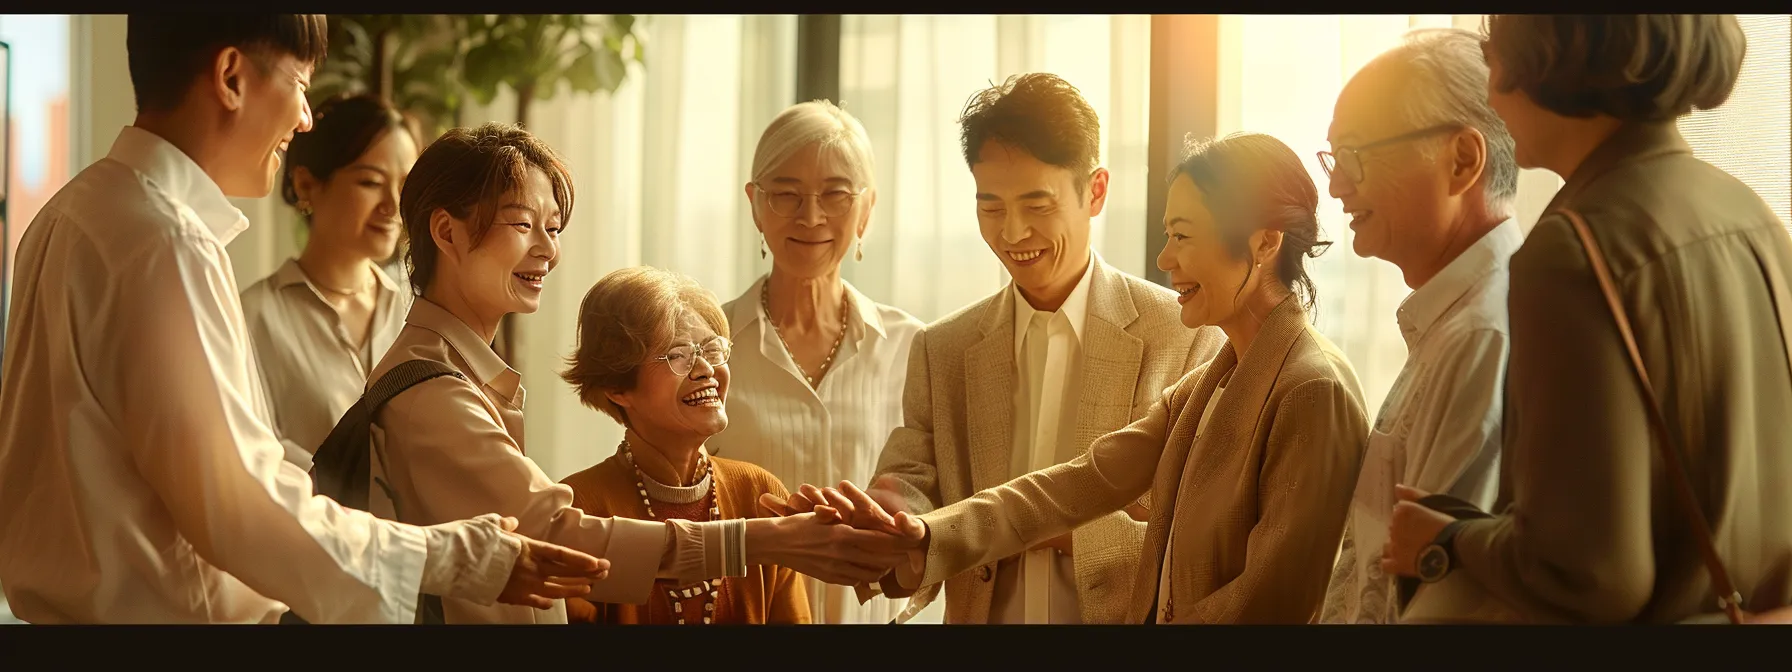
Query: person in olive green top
[1591, 532]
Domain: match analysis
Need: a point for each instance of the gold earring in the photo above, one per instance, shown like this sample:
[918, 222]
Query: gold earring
[761, 247]
[860, 254]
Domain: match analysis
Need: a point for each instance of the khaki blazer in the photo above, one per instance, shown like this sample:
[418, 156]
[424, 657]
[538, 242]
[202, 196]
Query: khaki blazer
[957, 432]
[1257, 501]
[1591, 532]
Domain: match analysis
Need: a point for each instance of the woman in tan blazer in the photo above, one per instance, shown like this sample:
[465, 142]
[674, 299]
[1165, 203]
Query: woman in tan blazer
[1589, 530]
[1250, 459]
[484, 208]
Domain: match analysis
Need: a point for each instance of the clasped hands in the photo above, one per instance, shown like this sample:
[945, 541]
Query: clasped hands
[845, 535]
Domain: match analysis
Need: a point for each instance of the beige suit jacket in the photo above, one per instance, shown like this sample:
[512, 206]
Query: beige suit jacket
[1592, 533]
[1257, 501]
[957, 431]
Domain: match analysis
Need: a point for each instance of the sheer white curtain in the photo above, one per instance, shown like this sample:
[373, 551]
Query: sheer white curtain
[1750, 135]
[908, 77]
[658, 169]
[1281, 75]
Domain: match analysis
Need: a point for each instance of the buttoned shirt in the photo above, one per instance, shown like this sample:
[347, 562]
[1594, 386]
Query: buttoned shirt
[819, 435]
[1048, 358]
[140, 480]
[1439, 429]
[313, 368]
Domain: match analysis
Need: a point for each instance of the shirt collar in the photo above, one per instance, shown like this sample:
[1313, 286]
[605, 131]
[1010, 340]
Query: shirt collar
[485, 363]
[749, 310]
[1430, 301]
[290, 274]
[1075, 308]
[180, 178]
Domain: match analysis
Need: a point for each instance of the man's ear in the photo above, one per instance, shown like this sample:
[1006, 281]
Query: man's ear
[227, 77]
[1098, 191]
[1468, 159]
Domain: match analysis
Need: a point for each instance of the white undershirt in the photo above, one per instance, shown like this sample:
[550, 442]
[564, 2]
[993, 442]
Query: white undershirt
[1163, 571]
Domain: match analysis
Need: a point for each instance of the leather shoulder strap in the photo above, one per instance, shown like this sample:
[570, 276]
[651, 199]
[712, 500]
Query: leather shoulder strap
[1728, 597]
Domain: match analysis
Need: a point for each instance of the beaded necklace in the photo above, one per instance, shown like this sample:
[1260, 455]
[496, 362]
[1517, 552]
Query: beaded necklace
[709, 587]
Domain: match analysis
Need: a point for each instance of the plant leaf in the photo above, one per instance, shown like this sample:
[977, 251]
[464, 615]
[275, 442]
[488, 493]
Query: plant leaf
[583, 74]
[611, 70]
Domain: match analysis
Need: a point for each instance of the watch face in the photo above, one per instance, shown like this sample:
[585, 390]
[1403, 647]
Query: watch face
[1434, 562]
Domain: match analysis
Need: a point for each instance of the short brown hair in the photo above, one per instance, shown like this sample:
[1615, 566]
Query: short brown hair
[1633, 67]
[166, 52]
[1039, 113]
[466, 172]
[628, 316]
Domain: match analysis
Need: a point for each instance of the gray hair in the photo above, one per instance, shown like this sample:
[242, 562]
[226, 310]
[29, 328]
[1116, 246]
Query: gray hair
[820, 123]
[1450, 86]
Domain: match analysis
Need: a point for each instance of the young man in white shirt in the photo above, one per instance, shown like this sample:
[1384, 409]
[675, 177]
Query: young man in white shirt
[1425, 169]
[1072, 349]
[140, 481]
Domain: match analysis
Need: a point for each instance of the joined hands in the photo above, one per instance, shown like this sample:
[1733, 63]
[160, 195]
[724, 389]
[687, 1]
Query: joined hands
[854, 533]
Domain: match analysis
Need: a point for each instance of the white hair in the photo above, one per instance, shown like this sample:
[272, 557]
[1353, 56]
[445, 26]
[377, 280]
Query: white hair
[1449, 85]
[819, 123]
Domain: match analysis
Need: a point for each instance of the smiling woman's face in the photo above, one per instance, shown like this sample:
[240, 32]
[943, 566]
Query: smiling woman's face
[664, 405]
[811, 243]
[1209, 279]
[506, 271]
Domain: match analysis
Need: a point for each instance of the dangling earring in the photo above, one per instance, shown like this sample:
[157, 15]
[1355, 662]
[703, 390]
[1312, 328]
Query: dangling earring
[762, 246]
[860, 254]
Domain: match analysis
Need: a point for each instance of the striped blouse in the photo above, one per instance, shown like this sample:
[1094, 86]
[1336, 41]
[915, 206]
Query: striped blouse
[820, 436]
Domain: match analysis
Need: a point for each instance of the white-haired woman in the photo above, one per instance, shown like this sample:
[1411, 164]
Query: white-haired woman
[819, 367]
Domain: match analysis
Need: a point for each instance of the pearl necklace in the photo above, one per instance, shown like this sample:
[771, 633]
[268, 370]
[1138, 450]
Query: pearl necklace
[765, 292]
[709, 587]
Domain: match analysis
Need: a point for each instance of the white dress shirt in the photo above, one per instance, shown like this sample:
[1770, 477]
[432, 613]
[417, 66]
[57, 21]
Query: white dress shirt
[311, 367]
[818, 436]
[139, 479]
[1439, 428]
[1048, 358]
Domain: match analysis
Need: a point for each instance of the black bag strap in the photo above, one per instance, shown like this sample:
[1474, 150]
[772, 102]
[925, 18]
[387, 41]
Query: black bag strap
[342, 467]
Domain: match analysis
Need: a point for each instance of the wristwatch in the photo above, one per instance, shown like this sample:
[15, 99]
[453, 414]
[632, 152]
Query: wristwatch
[1436, 561]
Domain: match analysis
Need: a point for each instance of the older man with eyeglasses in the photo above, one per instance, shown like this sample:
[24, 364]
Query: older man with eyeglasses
[1426, 172]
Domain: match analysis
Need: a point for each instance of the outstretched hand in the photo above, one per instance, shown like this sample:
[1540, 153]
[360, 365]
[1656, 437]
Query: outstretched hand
[866, 536]
[546, 572]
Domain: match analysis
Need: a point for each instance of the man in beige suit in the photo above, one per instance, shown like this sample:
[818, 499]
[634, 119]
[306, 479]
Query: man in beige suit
[1071, 350]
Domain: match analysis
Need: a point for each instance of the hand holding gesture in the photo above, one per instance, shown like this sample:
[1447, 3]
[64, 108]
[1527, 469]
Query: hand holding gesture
[546, 572]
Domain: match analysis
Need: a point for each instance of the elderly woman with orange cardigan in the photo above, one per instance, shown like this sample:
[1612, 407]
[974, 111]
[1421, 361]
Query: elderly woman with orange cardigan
[652, 355]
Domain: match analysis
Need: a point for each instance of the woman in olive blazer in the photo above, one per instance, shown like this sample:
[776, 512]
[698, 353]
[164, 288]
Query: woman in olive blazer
[1591, 532]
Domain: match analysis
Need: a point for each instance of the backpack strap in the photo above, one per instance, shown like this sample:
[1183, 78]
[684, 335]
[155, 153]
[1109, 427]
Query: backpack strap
[341, 468]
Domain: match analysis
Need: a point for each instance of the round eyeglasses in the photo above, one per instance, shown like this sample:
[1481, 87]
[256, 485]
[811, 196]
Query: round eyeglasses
[835, 202]
[681, 359]
[1350, 159]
